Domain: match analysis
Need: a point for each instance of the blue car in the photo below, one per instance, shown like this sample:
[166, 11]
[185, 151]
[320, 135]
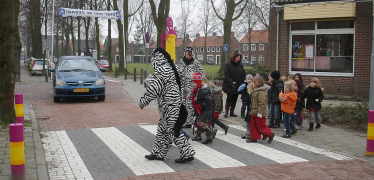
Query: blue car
[77, 76]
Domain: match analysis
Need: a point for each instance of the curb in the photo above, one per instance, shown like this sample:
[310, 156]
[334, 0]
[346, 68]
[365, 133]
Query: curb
[41, 166]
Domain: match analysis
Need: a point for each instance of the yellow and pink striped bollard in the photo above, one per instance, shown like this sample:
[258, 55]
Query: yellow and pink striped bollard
[17, 151]
[370, 136]
[19, 108]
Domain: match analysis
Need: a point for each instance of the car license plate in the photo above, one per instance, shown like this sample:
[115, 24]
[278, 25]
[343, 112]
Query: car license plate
[40, 71]
[81, 90]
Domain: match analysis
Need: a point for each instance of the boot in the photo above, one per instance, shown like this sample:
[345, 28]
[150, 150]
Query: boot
[209, 134]
[197, 137]
[232, 109]
[318, 126]
[294, 131]
[242, 112]
[153, 157]
[311, 125]
[181, 160]
[227, 106]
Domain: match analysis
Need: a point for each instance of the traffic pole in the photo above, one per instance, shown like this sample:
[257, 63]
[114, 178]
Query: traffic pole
[17, 151]
[141, 76]
[370, 135]
[18, 98]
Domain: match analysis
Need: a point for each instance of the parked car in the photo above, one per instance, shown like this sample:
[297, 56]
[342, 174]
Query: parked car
[245, 62]
[103, 64]
[77, 76]
[37, 66]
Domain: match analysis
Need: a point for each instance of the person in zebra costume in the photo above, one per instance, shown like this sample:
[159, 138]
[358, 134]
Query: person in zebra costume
[165, 86]
[186, 68]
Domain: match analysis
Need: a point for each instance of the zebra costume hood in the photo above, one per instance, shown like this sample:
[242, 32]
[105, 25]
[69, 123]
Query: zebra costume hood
[160, 57]
[191, 50]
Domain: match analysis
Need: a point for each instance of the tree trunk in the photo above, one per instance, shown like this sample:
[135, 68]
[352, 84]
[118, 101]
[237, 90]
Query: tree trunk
[7, 84]
[72, 36]
[160, 18]
[17, 46]
[67, 37]
[109, 40]
[205, 52]
[57, 49]
[87, 28]
[97, 34]
[37, 50]
[79, 37]
[121, 66]
[226, 40]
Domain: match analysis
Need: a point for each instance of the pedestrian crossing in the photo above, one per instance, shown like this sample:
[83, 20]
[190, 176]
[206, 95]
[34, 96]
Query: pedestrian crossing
[118, 152]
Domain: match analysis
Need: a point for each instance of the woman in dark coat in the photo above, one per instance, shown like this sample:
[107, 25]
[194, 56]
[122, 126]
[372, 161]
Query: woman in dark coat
[234, 77]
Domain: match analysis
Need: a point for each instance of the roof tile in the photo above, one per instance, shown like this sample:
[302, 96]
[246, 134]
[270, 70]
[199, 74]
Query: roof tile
[257, 36]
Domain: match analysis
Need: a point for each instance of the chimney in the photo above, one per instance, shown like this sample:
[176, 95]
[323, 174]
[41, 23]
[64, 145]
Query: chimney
[197, 35]
[214, 34]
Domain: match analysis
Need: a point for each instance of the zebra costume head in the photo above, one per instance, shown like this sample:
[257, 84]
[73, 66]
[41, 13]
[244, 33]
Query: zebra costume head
[159, 57]
[191, 50]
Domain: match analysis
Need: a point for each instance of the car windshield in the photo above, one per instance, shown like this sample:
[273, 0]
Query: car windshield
[77, 65]
[103, 62]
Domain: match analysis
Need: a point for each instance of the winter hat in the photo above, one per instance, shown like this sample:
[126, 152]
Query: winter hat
[249, 77]
[191, 50]
[275, 75]
[212, 87]
[198, 79]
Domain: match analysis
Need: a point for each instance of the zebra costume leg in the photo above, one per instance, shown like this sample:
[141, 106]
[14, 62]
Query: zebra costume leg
[162, 145]
[191, 112]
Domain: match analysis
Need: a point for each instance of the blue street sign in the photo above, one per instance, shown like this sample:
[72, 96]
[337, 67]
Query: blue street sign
[156, 46]
[225, 48]
[147, 37]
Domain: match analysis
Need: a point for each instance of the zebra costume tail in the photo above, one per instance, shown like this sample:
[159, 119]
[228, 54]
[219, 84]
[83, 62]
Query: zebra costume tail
[180, 121]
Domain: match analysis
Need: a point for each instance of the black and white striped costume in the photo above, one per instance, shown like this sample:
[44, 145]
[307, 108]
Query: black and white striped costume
[185, 71]
[163, 86]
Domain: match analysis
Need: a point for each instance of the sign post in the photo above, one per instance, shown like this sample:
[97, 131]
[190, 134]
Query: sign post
[147, 38]
[225, 49]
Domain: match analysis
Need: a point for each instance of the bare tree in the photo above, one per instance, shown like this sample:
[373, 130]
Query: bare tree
[7, 85]
[208, 24]
[159, 17]
[231, 9]
[184, 22]
[109, 38]
[17, 45]
[262, 12]
[144, 21]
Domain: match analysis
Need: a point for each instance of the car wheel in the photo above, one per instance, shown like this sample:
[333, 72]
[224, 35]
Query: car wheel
[101, 98]
[56, 99]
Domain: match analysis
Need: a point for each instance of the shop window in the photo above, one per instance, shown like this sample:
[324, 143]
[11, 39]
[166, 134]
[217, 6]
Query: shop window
[301, 61]
[335, 24]
[299, 26]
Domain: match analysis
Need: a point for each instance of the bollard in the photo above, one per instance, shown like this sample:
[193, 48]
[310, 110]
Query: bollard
[125, 73]
[134, 74]
[46, 75]
[17, 151]
[145, 76]
[370, 135]
[19, 108]
[141, 76]
[115, 73]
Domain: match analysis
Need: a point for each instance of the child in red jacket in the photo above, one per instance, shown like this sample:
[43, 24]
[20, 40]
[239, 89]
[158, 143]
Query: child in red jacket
[288, 102]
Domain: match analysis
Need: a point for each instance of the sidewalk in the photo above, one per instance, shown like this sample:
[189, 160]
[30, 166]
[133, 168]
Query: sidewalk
[329, 138]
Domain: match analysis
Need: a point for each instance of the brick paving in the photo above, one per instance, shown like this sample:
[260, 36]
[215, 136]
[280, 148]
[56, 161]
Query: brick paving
[120, 110]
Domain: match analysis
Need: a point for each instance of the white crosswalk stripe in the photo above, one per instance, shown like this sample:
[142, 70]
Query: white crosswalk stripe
[204, 153]
[303, 146]
[64, 162]
[130, 152]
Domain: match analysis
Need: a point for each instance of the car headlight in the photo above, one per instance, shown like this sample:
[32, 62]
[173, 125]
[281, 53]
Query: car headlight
[100, 82]
[60, 82]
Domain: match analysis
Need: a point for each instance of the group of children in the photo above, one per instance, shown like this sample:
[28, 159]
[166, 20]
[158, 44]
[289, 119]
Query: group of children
[285, 96]
[277, 97]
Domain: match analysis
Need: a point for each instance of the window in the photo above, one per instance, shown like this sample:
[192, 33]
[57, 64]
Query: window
[200, 57]
[261, 59]
[128, 49]
[117, 49]
[245, 56]
[128, 58]
[197, 49]
[325, 49]
[210, 58]
[218, 49]
[245, 47]
[261, 47]
[117, 59]
[207, 49]
[253, 47]
[213, 49]
[253, 58]
[218, 59]
[202, 49]
[302, 26]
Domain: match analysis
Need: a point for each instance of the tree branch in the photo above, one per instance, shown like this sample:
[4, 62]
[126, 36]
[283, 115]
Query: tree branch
[241, 10]
[215, 11]
[153, 7]
[137, 9]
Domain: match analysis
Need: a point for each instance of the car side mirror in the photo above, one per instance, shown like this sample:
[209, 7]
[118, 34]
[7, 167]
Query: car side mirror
[52, 69]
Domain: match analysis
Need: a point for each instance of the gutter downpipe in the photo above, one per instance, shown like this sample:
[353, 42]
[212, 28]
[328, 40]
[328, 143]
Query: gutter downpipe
[278, 9]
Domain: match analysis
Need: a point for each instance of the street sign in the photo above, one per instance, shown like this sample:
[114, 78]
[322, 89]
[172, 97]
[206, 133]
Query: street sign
[147, 45]
[225, 48]
[147, 37]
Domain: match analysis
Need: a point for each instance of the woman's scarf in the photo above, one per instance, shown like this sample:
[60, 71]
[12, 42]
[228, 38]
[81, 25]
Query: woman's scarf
[193, 97]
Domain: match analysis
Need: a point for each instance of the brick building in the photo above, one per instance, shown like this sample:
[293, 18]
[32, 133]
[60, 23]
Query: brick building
[258, 51]
[330, 40]
[214, 46]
